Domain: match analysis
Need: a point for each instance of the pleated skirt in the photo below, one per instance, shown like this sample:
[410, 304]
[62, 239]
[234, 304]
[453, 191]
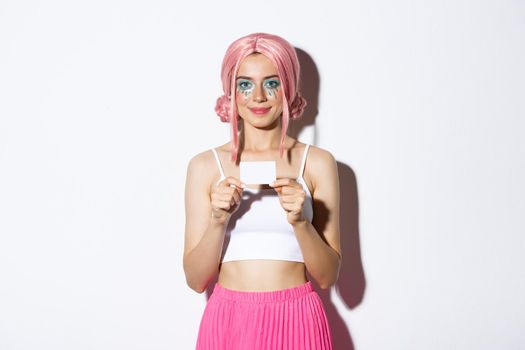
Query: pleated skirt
[287, 319]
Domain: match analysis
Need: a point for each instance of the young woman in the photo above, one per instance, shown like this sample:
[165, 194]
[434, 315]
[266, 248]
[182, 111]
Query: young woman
[261, 239]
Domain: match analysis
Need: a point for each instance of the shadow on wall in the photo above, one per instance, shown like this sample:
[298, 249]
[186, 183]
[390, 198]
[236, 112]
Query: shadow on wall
[350, 286]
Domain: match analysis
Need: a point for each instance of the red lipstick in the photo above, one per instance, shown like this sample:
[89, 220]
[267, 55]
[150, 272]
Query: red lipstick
[260, 110]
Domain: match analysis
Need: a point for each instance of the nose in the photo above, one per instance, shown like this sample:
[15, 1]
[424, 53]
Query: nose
[259, 95]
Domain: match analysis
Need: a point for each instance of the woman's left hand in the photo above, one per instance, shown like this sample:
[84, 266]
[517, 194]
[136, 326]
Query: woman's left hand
[292, 197]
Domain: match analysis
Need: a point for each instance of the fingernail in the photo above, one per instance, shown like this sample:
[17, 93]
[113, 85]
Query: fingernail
[243, 185]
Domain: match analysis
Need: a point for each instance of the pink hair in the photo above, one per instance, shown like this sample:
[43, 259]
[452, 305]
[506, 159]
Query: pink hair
[284, 57]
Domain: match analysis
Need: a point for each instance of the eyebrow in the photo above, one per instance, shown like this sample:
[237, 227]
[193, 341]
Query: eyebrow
[248, 78]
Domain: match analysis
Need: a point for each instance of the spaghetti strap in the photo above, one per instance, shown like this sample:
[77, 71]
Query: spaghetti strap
[301, 170]
[218, 163]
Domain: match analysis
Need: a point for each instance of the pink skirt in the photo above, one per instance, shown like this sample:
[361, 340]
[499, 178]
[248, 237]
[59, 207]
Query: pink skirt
[287, 319]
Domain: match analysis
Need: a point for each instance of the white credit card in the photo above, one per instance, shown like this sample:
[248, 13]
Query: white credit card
[255, 173]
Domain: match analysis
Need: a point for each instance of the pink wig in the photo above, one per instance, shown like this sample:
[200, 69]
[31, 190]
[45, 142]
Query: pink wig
[284, 57]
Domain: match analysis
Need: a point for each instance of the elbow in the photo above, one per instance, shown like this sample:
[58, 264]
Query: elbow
[326, 285]
[194, 285]
[191, 280]
[197, 288]
[197, 282]
[332, 278]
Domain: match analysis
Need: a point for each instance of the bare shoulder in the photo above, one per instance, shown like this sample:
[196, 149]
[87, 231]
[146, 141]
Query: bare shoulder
[201, 161]
[202, 168]
[320, 158]
[321, 165]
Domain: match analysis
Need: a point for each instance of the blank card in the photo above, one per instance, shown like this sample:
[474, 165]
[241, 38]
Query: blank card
[255, 173]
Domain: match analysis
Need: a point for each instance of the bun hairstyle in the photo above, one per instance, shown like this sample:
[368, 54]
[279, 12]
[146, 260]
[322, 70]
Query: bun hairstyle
[284, 57]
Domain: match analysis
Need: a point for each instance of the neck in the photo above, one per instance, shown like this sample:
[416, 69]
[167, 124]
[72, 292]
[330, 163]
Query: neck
[256, 139]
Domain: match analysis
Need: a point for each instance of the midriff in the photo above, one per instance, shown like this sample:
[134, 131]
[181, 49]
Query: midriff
[261, 275]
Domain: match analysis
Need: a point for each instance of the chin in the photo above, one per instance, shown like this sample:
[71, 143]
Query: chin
[265, 123]
[259, 121]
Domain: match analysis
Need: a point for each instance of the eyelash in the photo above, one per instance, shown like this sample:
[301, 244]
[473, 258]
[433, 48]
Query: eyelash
[272, 84]
[242, 87]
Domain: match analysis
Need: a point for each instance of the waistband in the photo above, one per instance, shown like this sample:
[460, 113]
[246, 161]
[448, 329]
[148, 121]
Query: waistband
[262, 296]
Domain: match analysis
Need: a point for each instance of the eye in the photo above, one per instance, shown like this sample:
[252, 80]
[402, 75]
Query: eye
[244, 85]
[272, 84]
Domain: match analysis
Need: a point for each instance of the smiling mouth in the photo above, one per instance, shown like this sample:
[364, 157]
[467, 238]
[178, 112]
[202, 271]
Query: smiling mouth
[260, 110]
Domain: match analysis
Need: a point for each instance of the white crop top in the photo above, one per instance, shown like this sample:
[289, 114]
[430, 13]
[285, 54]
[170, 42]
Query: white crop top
[259, 228]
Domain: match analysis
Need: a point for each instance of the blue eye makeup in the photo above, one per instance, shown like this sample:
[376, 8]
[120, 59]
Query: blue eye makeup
[244, 85]
[272, 84]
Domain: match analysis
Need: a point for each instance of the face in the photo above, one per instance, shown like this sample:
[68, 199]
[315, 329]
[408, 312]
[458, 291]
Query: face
[258, 91]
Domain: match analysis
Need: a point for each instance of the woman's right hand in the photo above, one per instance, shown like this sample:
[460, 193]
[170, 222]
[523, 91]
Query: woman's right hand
[225, 199]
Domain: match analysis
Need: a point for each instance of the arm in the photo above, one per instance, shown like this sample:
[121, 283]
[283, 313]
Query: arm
[204, 232]
[203, 237]
[320, 240]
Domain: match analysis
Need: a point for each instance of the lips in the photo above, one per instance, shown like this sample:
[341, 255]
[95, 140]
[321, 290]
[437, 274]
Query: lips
[260, 110]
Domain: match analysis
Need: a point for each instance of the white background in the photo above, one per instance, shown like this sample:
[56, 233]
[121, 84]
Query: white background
[103, 103]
